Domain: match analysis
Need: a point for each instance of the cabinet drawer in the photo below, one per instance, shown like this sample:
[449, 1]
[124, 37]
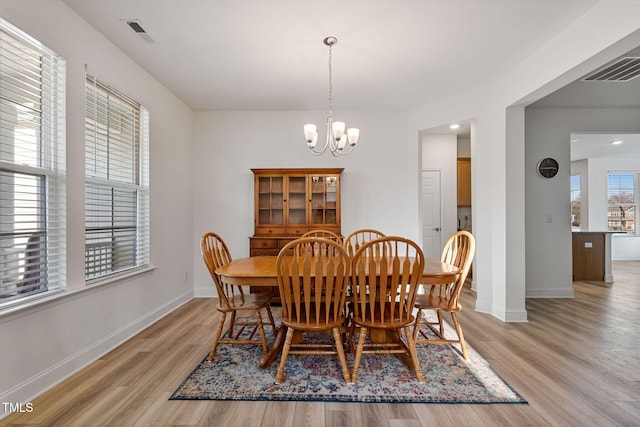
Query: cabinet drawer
[264, 243]
[283, 242]
[296, 231]
[266, 231]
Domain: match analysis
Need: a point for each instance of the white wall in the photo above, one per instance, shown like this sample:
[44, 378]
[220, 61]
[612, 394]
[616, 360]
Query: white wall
[45, 343]
[375, 190]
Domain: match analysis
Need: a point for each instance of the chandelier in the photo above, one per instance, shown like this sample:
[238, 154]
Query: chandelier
[337, 134]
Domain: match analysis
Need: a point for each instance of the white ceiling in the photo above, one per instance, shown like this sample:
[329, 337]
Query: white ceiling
[598, 146]
[268, 55]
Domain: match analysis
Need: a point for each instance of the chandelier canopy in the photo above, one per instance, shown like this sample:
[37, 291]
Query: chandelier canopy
[337, 135]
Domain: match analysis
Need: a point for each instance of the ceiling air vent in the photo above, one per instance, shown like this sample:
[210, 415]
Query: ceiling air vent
[136, 26]
[621, 70]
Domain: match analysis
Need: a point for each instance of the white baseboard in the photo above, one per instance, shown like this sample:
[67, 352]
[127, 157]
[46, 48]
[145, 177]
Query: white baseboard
[208, 292]
[53, 375]
[549, 293]
[505, 316]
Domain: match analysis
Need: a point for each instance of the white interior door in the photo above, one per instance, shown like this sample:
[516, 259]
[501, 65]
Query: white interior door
[431, 227]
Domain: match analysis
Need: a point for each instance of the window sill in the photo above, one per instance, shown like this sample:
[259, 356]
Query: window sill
[57, 296]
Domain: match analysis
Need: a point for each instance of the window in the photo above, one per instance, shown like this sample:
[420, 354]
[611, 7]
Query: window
[116, 187]
[32, 135]
[622, 196]
[575, 202]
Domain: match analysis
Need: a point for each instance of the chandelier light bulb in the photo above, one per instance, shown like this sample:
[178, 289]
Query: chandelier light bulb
[338, 129]
[352, 136]
[310, 133]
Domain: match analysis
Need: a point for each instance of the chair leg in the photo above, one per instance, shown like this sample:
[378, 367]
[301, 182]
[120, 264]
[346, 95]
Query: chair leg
[416, 325]
[440, 321]
[356, 363]
[263, 338]
[337, 337]
[271, 321]
[216, 339]
[232, 322]
[412, 351]
[285, 354]
[456, 323]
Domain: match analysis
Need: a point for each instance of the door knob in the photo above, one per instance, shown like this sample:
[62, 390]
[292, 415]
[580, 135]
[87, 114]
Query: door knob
[436, 229]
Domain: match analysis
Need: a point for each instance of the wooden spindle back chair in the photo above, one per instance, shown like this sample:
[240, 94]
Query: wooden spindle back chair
[325, 234]
[312, 278]
[355, 240]
[459, 251]
[384, 291]
[233, 300]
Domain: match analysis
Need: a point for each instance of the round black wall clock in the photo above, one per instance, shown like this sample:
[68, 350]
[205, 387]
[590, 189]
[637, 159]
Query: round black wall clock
[548, 167]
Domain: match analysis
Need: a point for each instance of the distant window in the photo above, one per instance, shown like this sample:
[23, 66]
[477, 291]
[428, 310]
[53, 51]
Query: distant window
[117, 182]
[622, 189]
[575, 202]
[32, 187]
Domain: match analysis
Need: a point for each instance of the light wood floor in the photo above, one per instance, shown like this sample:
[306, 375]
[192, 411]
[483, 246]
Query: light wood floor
[575, 361]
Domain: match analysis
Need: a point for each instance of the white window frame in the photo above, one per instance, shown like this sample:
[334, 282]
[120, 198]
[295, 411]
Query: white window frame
[576, 201]
[32, 163]
[628, 211]
[116, 183]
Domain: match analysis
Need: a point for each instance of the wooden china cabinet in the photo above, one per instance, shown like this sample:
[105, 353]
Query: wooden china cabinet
[290, 202]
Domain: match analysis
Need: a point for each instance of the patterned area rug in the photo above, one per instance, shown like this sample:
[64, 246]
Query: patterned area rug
[448, 378]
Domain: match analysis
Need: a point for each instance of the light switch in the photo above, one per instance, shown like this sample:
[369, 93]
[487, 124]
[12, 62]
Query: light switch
[588, 244]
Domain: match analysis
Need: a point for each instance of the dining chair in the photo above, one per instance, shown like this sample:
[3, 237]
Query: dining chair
[232, 300]
[312, 287]
[355, 240]
[459, 251]
[326, 234]
[323, 234]
[384, 292]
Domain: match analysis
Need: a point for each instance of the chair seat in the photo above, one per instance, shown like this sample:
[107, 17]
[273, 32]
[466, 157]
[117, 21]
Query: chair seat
[305, 324]
[435, 302]
[247, 301]
[389, 322]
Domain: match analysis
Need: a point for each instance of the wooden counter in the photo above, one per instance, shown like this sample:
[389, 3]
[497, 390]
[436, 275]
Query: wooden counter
[592, 256]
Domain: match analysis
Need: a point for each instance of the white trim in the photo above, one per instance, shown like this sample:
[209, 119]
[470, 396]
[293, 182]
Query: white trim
[208, 292]
[550, 293]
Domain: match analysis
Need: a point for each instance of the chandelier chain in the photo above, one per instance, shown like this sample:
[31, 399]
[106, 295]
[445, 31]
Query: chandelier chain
[330, 81]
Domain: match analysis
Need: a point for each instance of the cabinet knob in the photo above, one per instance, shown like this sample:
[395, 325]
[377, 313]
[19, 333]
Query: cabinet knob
[436, 229]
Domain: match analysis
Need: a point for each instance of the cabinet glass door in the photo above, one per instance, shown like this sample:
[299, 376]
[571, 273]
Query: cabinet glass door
[324, 200]
[271, 200]
[297, 200]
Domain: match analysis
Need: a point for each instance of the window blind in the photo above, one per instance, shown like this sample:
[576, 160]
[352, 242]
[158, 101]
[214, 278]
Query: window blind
[116, 188]
[32, 192]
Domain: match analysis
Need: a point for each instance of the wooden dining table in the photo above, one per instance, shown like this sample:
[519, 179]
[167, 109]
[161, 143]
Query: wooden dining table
[260, 271]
